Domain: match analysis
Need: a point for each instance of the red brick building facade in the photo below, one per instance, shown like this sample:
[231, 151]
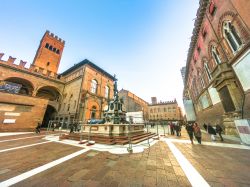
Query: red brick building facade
[39, 94]
[133, 103]
[216, 83]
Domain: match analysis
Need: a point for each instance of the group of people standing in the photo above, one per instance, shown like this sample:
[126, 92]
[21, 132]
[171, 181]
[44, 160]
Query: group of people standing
[175, 128]
[194, 130]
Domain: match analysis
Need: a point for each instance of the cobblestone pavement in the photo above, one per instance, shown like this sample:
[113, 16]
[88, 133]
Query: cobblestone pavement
[25, 165]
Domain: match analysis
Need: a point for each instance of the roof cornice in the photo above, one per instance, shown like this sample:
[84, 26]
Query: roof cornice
[197, 26]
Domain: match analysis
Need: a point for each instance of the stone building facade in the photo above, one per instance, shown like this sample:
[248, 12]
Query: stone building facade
[39, 94]
[133, 103]
[165, 111]
[217, 83]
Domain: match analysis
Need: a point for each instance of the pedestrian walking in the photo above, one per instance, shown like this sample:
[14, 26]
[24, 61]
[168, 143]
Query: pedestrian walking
[180, 126]
[177, 129]
[219, 130]
[71, 128]
[53, 126]
[211, 131]
[190, 131]
[38, 127]
[197, 132]
[172, 128]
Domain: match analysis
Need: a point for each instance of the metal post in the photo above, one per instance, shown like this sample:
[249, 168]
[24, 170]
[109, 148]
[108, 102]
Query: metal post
[163, 128]
[129, 149]
[89, 132]
[81, 125]
[168, 128]
[48, 127]
[157, 129]
[147, 133]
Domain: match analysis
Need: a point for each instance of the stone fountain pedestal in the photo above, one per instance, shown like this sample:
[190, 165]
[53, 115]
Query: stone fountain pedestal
[112, 129]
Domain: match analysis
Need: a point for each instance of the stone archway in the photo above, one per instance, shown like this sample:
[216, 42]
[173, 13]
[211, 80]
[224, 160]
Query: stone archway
[26, 88]
[48, 92]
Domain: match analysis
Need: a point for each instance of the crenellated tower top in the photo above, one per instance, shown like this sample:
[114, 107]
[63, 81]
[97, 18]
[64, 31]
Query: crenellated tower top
[49, 53]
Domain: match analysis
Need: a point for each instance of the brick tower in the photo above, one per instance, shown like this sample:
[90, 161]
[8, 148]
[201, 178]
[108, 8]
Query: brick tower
[49, 53]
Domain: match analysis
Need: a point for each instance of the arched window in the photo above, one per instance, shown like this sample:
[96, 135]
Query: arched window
[107, 90]
[202, 83]
[207, 71]
[93, 86]
[231, 36]
[215, 55]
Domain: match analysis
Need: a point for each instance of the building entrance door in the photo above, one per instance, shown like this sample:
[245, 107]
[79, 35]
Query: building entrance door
[226, 100]
[49, 114]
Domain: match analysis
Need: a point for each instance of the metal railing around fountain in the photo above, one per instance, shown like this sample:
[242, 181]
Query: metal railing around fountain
[86, 136]
[62, 126]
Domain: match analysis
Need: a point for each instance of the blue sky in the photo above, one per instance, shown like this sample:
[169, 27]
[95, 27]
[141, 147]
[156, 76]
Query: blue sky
[143, 42]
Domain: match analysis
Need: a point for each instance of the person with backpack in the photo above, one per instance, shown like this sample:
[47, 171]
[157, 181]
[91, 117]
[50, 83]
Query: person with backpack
[190, 131]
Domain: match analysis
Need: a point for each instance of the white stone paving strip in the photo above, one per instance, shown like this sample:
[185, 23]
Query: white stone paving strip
[24, 146]
[21, 138]
[192, 174]
[13, 133]
[114, 149]
[216, 144]
[40, 169]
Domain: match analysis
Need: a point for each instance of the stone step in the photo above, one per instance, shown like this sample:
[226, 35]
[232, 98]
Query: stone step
[110, 140]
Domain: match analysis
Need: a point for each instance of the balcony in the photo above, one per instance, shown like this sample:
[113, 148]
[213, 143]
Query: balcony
[221, 73]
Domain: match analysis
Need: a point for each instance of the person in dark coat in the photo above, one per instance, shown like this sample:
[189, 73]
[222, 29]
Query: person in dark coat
[71, 127]
[172, 128]
[205, 126]
[38, 127]
[211, 131]
[219, 131]
[190, 131]
[177, 129]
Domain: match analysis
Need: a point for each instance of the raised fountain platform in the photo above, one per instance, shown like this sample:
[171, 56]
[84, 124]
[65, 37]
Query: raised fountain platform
[111, 133]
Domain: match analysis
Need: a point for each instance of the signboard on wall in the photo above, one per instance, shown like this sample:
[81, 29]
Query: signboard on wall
[243, 127]
[8, 121]
[10, 87]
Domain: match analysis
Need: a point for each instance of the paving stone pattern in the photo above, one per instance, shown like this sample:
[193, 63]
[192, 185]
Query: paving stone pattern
[13, 163]
[219, 166]
[155, 166]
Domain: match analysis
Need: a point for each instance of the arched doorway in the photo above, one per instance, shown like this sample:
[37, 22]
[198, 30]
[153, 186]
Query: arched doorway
[26, 86]
[49, 115]
[93, 112]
